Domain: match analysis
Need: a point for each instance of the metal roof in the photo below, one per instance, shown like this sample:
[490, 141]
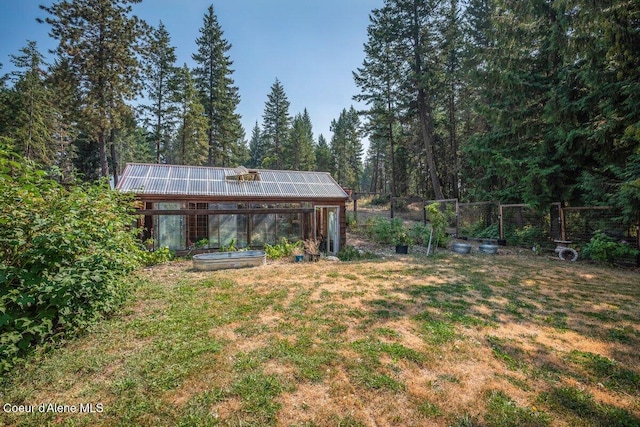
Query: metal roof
[160, 179]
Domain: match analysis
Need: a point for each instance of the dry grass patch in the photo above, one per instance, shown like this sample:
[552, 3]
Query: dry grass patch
[408, 341]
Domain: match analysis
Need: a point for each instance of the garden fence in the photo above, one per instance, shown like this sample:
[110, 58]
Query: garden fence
[512, 224]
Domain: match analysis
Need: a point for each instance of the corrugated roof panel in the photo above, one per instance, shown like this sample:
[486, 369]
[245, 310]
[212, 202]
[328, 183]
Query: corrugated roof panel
[254, 188]
[178, 172]
[140, 171]
[288, 189]
[201, 181]
[197, 186]
[325, 178]
[156, 186]
[267, 176]
[198, 173]
[134, 183]
[271, 189]
[311, 178]
[177, 186]
[235, 188]
[217, 187]
[158, 172]
[304, 190]
[279, 176]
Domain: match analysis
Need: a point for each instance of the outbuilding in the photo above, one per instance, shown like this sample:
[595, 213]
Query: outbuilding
[186, 207]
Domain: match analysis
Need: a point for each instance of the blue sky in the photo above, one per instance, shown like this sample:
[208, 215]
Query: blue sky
[311, 46]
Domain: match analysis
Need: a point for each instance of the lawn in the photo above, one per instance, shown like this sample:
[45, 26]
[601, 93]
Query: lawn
[506, 340]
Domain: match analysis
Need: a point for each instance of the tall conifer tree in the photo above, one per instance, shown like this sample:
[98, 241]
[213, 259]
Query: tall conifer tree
[298, 152]
[219, 95]
[160, 71]
[100, 42]
[33, 113]
[190, 146]
[276, 126]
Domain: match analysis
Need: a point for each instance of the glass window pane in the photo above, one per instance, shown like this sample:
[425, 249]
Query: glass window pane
[170, 230]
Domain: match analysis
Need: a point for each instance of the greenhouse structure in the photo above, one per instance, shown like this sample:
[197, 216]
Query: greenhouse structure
[194, 208]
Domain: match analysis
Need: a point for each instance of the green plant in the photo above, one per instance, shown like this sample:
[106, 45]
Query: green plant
[420, 233]
[399, 234]
[604, 248]
[159, 256]
[351, 220]
[202, 243]
[349, 253]
[379, 230]
[231, 247]
[439, 221]
[282, 249]
[380, 200]
[64, 256]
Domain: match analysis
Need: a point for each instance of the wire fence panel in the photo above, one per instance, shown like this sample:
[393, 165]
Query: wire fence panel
[511, 224]
[524, 226]
[581, 223]
[479, 220]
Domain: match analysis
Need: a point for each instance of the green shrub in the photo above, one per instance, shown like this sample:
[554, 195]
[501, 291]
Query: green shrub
[159, 256]
[387, 231]
[439, 221]
[420, 234]
[479, 229]
[525, 236]
[604, 248]
[380, 200]
[64, 256]
[283, 249]
[350, 253]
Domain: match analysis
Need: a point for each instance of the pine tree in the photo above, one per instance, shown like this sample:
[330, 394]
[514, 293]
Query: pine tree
[190, 146]
[219, 96]
[298, 152]
[346, 148]
[33, 113]
[276, 125]
[323, 156]
[381, 79]
[99, 40]
[65, 95]
[160, 73]
[402, 35]
[256, 147]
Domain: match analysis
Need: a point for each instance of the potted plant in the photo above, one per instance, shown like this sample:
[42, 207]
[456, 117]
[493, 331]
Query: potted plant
[298, 253]
[402, 241]
[312, 249]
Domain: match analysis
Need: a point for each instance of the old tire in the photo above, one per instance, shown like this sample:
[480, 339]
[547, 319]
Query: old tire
[567, 254]
[461, 248]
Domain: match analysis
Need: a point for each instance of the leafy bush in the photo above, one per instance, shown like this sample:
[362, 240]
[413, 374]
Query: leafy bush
[439, 221]
[420, 234]
[282, 249]
[350, 253]
[479, 229]
[524, 236]
[604, 248]
[387, 231]
[380, 200]
[351, 220]
[64, 254]
[159, 256]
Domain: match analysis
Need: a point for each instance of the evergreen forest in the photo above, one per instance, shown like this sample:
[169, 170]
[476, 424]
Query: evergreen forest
[522, 102]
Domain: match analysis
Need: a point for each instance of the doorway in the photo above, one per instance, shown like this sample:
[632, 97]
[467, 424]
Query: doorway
[327, 229]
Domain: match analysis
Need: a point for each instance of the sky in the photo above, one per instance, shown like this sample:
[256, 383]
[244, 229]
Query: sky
[311, 46]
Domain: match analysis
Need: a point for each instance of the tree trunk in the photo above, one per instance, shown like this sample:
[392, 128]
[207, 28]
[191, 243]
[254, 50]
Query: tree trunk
[114, 159]
[102, 151]
[424, 109]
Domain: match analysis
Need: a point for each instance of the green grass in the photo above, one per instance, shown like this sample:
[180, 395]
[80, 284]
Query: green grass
[390, 342]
